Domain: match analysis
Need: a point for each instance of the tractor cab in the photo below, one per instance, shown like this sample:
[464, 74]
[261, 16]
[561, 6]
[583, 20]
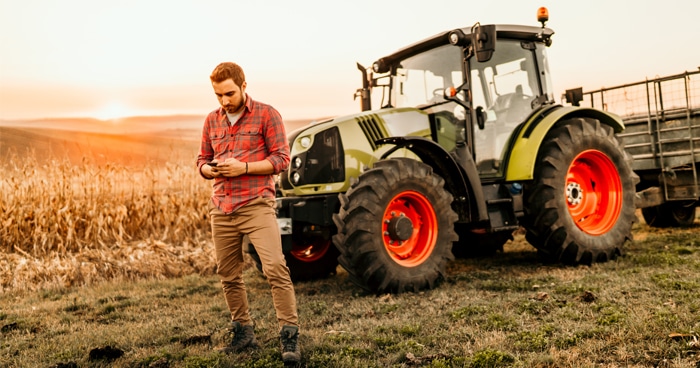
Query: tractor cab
[505, 91]
[477, 84]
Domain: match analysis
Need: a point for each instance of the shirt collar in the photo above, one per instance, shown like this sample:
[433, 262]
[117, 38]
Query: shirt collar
[248, 102]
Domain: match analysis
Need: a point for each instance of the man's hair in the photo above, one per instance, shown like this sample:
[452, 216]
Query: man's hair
[228, 70]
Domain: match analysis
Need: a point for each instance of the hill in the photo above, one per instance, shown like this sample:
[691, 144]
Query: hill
[130, 141]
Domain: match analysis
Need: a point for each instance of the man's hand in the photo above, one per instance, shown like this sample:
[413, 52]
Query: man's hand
[230, 168]
[210, 171]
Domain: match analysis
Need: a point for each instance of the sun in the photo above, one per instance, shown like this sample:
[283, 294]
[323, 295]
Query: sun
[113, 110]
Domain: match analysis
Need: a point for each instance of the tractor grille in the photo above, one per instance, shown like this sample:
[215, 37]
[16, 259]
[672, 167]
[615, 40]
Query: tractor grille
[373, 130]
[325, 160]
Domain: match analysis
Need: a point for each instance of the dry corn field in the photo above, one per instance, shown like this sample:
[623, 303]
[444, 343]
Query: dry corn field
[65, 224]
[78, 207]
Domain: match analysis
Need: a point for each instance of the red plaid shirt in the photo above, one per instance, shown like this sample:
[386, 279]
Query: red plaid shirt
[258, 135]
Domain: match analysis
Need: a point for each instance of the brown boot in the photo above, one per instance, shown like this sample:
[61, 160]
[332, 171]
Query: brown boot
[289, 344]
[243, 338]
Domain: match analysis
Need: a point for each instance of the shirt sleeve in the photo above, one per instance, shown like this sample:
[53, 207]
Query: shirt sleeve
[276, 141]
[206, 152]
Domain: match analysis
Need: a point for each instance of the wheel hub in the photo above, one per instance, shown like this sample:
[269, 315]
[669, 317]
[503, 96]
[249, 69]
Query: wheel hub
[409, 228]
[400, 227]
[574, 193]
[594, 192]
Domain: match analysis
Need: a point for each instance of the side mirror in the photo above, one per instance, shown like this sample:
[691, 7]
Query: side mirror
[483, 41]
[574, 96]
[364, 92]
[480, 117]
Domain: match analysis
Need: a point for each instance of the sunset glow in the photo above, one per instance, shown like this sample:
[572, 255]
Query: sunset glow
[113, 110]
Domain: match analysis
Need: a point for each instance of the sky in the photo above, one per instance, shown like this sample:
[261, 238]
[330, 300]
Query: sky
[107, 59]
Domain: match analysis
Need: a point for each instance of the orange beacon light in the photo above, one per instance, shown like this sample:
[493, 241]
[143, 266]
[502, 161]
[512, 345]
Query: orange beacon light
[542, 15]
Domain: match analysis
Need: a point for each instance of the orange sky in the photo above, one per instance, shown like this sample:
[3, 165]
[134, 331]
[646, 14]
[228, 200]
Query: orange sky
[106, 59]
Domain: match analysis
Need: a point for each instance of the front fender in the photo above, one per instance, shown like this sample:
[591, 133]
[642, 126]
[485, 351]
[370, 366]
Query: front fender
[461, 180]
[522, 157]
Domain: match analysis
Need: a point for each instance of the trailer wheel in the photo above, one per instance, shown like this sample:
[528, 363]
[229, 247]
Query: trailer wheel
[580, 206]
[312, 256]
[396, 228]
[670, 214]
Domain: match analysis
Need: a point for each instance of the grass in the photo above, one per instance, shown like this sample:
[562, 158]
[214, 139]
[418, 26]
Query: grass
[510, 310]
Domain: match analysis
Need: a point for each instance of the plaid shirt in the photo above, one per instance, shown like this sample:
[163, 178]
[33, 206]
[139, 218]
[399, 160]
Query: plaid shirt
[258, 135]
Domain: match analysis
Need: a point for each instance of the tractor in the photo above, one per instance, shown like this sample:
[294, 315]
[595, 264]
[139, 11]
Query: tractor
[459, 143]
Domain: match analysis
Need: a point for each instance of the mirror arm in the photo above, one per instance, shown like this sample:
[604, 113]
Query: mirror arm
[457, 100]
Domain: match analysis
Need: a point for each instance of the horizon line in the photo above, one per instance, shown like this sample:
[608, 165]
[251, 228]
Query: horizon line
[138, 116]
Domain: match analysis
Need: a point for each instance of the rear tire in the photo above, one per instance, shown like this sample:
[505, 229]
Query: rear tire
[670, 214]
[396, 228]
[580, 206]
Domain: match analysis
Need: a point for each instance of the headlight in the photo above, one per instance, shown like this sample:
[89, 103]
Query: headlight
[295, 178]
[305, 142]
[297, 162]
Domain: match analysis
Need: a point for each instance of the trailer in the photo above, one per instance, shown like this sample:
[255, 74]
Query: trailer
[662, 134]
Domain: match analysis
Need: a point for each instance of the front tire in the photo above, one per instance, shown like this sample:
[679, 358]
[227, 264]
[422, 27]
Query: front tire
[580, 206]
[396, 228]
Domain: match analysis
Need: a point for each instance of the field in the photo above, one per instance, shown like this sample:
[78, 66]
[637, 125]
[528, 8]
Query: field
[106, 261]
[78, 205]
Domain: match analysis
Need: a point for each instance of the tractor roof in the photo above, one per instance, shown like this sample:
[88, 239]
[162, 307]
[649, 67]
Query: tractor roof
[519, 32]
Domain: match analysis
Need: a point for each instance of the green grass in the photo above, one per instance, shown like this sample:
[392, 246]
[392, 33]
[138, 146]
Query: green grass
[509, 310]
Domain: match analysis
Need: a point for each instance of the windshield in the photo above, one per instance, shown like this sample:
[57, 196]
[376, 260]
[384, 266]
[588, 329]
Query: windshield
[421, 79]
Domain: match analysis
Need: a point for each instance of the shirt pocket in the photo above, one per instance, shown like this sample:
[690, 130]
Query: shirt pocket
[218, 142]
[249, 139]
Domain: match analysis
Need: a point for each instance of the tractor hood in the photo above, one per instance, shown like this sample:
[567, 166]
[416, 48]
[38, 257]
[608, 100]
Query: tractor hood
[323, 155]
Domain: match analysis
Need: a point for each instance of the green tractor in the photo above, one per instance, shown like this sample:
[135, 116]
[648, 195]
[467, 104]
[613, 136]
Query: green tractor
[466, 145]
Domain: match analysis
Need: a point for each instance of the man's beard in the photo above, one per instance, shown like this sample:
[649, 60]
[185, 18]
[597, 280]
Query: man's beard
[232, 108]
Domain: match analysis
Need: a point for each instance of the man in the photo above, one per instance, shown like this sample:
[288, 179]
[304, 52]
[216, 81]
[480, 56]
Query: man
[243, 145]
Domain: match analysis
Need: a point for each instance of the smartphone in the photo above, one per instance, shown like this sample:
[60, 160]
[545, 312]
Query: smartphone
[212, 164]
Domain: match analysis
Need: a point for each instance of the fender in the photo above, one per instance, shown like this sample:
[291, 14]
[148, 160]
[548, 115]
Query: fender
[522, 156]
[445, 165]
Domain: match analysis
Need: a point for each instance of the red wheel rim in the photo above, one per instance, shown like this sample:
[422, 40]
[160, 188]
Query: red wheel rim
[409, 228]
[311, 250]
[593, 192]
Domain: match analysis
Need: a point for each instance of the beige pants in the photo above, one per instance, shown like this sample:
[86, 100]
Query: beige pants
[257, 220]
